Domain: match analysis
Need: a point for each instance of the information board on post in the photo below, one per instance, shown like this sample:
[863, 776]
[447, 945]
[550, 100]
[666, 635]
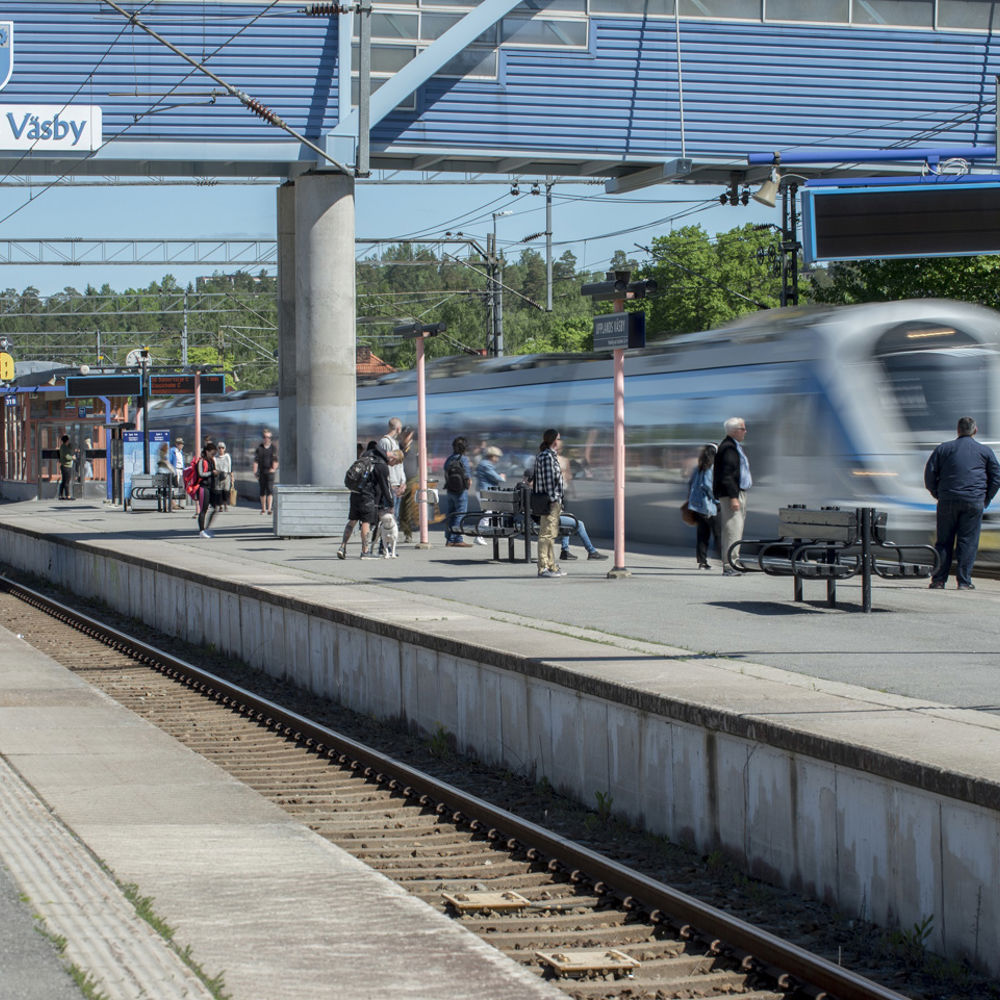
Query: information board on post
[616, 331]
[183, 385]
[87, 386]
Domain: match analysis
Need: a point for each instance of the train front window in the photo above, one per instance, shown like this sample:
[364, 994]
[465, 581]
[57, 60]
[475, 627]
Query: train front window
[931, 389]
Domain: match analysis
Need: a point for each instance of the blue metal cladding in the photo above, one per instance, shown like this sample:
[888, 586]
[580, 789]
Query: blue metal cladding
[87, 53]
[747, 87]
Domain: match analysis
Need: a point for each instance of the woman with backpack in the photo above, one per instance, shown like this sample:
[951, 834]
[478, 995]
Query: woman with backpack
[454, 501]
[207, 496]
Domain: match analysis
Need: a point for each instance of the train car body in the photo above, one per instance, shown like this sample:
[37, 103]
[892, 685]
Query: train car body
[843, 406]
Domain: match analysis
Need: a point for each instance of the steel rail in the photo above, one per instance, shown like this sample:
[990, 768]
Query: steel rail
[793, 966]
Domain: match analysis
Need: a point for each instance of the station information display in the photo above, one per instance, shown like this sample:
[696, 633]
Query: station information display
[86, 386]
[183, 385]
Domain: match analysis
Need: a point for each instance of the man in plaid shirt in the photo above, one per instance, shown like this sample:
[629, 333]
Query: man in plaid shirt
[548, 479]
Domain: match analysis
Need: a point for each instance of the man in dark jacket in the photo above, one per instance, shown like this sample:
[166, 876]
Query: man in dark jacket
[369, 502]
[730, 481]
[963, 476]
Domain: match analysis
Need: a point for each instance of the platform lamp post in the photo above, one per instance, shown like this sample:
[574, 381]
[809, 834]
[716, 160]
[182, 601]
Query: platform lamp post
[616, 332]
[419, 332]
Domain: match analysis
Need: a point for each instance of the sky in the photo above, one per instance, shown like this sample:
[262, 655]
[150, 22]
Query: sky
[585, 220]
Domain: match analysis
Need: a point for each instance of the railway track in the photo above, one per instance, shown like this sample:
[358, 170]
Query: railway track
[598, 929]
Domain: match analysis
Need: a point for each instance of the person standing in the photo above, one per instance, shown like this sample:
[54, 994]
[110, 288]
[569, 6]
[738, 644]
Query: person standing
[176, 459]
[207, 495]
[408, 514]
[702, 504]
[548, 479]
[390, 444]
[369, 501]
[265, 465]
[66, 463]
[224, 474]
[964, 477]
[730, 481]
[454, 500]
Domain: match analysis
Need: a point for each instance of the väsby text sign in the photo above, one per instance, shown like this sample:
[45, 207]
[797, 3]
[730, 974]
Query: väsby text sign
[614, 331]
[51, 127]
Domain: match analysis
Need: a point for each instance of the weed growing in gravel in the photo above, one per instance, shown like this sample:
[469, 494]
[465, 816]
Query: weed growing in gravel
[439, 745]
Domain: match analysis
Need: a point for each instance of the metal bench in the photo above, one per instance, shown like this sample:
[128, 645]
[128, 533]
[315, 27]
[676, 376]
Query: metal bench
[506, 514]
[156, 488]
[832, 544]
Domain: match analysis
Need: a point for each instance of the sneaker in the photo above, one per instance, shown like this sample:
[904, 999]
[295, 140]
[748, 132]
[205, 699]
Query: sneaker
[936, 585]
[596, 555]
[966, 586]
[481, 541]
[729, 571]
[460, 545]
[204, 534]
[558, 572]
[342, 552]
[566, 554]
[547, 572]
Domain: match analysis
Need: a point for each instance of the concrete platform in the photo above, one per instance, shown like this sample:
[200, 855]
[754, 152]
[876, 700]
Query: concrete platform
[856, 757]
[275, 908]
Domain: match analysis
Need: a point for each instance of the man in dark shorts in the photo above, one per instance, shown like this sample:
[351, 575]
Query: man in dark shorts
[368, 502]
[265, 465]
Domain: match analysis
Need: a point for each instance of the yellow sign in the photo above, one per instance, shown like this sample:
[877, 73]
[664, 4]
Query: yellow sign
[6, 367]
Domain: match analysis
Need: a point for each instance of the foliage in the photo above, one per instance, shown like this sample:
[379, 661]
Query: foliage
[704, 283]
[969, 279]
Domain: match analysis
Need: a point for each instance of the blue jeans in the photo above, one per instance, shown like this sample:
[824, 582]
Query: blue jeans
[453, 506]
[581, 533]
[958, 524]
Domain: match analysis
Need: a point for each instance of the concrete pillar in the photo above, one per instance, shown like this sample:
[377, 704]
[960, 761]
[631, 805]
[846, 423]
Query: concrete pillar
[326, 426]
[287, 374]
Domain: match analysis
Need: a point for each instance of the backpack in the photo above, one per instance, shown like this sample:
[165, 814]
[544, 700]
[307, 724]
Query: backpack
[191, 481]
[454, 476]
[357, 475]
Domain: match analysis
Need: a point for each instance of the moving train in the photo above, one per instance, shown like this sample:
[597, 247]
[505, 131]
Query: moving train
[843, 405]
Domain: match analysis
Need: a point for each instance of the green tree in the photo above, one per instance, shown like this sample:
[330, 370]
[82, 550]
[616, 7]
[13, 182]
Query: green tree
[704, 283]
[969, 279]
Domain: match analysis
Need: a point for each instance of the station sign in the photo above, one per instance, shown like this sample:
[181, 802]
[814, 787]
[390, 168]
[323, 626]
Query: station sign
[87, 386]
[614, 331]
[76, 128]
[183, 385]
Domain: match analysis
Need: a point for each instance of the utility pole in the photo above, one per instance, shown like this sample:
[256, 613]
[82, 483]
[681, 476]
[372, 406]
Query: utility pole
[184, 333]
[548, 244]
[497, 299]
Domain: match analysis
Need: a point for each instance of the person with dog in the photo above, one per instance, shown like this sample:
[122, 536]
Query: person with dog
[731, 480]
[702, 504]
[372, 499]
[390, 444]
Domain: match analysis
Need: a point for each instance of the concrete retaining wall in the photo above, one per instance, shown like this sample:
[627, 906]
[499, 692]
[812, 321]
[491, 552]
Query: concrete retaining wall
[878, 837]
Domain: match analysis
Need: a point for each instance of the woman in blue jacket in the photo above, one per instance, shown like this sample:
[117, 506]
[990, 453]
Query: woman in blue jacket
[701, 503]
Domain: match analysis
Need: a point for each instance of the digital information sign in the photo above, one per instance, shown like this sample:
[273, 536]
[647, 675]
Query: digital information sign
[86, 386]
[907, 220]
[183, 385]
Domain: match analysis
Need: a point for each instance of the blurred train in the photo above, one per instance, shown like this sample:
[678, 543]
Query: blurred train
[843, 405]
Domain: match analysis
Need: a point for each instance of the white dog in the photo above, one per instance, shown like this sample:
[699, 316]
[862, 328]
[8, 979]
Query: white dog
[388, 533]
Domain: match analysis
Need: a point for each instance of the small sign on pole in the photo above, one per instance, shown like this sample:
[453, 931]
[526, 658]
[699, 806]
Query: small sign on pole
[618, 330]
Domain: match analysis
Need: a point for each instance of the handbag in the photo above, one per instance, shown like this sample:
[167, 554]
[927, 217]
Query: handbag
[540, 504]
[687, 515]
